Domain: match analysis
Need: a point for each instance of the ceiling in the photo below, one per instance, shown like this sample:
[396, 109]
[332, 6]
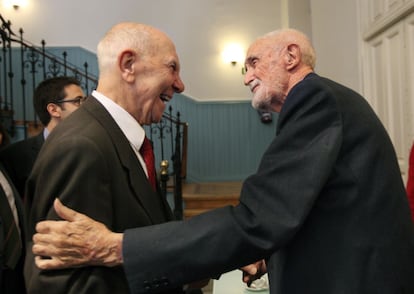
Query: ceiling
[200, 29]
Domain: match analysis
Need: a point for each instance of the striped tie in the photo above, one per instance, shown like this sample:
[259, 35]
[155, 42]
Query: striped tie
[12, 242]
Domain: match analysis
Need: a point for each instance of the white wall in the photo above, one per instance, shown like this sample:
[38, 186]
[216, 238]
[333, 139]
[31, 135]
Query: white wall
[200, 29]
[298, 15]
[335, 34]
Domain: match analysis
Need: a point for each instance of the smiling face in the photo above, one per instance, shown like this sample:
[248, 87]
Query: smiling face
[266, 75]
[157, 80]
[275, 63]
[139, 70]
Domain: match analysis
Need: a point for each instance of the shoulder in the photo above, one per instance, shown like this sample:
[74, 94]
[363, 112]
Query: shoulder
[312, 95]
[20, 146]
[14, 148]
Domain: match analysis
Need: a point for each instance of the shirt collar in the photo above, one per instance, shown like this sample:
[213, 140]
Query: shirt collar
[45, 133]
[126, 122]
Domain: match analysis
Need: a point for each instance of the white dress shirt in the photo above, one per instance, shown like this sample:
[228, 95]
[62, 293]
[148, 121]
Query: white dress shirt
[129, 126]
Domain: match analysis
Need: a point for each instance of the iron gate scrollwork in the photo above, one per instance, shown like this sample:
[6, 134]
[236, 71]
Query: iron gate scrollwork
[171, 146]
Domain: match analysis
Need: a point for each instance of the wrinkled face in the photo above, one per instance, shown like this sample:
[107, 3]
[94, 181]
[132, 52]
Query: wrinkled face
[73, 99]
[156, 82]
[266, 76]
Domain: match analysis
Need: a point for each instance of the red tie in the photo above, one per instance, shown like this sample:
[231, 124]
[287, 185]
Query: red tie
[148, 154]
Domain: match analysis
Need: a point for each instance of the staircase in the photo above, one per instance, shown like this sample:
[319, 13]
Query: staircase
[23, 66]
[202, 197]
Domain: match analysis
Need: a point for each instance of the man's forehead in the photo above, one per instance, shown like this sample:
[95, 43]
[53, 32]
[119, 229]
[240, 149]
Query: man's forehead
[257, 48]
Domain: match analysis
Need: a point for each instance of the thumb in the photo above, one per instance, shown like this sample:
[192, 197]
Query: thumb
[250, 269]
[65, 212]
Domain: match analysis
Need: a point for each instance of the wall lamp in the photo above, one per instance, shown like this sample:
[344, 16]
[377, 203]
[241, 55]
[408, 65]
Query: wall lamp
[233, 53]
[15, 3]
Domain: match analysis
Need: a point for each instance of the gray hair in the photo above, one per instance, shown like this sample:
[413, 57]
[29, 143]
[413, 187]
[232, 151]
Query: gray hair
[123, 36]
[292, 36]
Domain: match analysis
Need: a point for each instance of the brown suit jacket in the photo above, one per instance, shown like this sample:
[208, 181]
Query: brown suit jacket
[89, 164]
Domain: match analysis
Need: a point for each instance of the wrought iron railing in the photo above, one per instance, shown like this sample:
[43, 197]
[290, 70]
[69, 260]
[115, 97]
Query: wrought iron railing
[169, 138]
[24, 65]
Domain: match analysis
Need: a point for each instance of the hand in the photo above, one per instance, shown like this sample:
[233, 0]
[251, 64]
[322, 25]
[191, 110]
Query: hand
[253, 271]
[75, 241]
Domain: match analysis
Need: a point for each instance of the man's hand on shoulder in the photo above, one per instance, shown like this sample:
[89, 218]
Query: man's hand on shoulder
[75, 241]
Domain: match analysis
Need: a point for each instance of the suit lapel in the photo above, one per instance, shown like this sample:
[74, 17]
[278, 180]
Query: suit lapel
[36, 145]
[19, 207]
[151, 201]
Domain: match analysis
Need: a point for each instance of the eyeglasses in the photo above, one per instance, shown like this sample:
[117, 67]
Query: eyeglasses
[77, 101]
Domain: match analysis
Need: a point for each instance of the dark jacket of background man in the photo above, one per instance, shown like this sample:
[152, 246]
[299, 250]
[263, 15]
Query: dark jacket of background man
[11, 279]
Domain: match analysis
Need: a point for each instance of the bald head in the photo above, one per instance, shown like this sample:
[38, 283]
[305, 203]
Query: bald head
[284, 37]
[128, 35]
[139, 69]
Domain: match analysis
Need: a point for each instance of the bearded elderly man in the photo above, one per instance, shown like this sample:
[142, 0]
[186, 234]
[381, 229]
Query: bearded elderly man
[326, 211]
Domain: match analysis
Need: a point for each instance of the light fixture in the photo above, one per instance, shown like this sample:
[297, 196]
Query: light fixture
[233, 53]
[16, 3]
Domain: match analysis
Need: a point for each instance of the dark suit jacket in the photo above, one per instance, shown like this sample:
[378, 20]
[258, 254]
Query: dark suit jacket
[18, 159]
[326, 208]
[11, 280]
[89, 164]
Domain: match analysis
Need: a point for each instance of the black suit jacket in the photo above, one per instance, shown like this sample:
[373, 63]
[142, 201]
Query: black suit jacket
[89, 164]
[18, 160]
[326, 209]
[11, 280]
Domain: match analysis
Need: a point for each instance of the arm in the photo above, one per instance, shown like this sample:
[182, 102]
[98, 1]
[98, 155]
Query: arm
[90, 243]
[274, 203]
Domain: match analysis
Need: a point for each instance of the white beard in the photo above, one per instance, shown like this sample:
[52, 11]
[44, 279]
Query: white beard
[261, 99]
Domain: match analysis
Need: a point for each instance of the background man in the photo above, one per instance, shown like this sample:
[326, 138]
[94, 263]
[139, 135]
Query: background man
[54, 99]
[12, 244]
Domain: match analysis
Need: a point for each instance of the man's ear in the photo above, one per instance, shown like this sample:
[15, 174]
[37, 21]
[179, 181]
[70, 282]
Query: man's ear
[126, 63]
[54, 110]
[293, 56]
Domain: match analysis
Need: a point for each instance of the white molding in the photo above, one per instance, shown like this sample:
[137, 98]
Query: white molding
[389, 19]
[218, 100]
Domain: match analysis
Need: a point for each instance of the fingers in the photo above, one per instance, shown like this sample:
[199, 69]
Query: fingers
[54, 263]
[253, 272]
[52, 241]
[47, 264]
[249, 273]
[250, 269]
[44, 226]
[75, 241]
[60, 254]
